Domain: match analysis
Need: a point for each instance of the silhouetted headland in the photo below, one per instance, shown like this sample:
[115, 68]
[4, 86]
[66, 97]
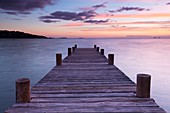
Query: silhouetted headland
[4, 34]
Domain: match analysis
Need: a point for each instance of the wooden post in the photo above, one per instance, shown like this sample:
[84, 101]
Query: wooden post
[23, 90]
[58, 59]
[102, 51]
[98, 49]
[95, 46]
[143, 86]
[111, 59]
[75, 46]
[69, 51]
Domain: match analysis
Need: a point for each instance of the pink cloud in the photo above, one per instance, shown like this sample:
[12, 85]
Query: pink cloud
[139, 15]
[136, 0]
[145, 22]
[74, 24]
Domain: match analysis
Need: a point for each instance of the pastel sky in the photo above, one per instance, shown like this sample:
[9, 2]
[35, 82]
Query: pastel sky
[87, 18]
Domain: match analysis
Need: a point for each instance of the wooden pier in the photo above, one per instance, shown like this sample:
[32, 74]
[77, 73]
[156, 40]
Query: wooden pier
[85, 82]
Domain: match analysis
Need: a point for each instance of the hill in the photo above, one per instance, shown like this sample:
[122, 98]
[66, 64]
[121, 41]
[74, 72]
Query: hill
[4, 34]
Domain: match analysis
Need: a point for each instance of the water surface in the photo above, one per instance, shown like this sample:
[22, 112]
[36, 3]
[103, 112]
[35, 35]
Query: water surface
[33, 58]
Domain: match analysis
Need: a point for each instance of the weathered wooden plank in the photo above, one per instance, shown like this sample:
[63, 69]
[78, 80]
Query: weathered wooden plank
[79, 88]
[97, 109]
[97, 79]
[80, 85]
[91, 100]
[45, 91]
[88, 104]
[88, 71]
[96, 83]
[85, 86]
[85, 95]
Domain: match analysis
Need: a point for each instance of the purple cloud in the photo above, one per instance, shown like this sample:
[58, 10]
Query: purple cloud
[85, 16]
[14, 19]
[128, 9]
[100, 6]
[168, 3]
[20, 6]
[96, 21]
[95, 7]
[16, 13]
[73, 16]
[10, 13]
[49, 21]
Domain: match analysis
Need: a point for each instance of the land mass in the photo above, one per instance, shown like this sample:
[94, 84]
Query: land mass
[4, 34]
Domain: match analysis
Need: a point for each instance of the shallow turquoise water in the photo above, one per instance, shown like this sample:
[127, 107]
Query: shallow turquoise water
[33, 58]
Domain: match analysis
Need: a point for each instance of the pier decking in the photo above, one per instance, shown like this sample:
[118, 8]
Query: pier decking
[85, 83]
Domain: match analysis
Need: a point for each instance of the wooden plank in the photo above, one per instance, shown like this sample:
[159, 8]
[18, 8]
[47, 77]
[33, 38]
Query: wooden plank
[91, 100]
[62, 91]
[97, 109]
[85, 95]
[90, 104]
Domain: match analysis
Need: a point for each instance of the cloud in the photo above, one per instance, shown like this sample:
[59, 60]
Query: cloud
[95, 7]
[20, 6]
[97, 21]
[73, 16]
[146, 22]
[85, 16]
[15, 13]
[168, 3]
[49, 21]
[135, 15]
[128, 9]
[15, 19]
[74, 24]
[10, 13]
[100, 5]
[139, 1]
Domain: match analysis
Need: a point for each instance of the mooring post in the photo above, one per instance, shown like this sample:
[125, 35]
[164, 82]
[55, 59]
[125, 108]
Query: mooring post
[58, 59]
[69, 51]
[95, 46]
[73, 49]
[98, 49]
[111, 59]
[23, 90]
[143, 85]
[75, 46]
[102, 51]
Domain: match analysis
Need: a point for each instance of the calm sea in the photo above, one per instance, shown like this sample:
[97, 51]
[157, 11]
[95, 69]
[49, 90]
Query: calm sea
[33, 58]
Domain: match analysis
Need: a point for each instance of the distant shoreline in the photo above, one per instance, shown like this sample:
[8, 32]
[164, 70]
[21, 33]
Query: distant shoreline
[4, 34]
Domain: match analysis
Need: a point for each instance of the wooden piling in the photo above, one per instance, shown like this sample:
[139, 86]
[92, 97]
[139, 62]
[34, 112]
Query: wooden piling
[111, 59]
[143, 85]
[58, 59]
[98, 49]
[75, 46]
[69, 51]
[73, 49]
[23, 90]
[95, 46]
[102, 51]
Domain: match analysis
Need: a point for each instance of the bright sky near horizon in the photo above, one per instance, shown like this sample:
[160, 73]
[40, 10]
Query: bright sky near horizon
[87, 18]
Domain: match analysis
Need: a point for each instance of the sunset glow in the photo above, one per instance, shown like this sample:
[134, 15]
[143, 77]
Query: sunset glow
[87, 19]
